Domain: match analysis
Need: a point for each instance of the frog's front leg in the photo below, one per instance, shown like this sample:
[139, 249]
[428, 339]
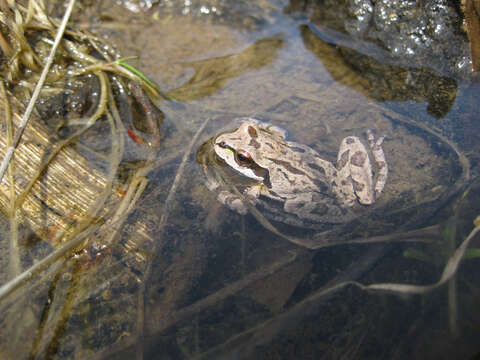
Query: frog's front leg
[237, 203]
[232, 201]
[225, 197]
[252, 193]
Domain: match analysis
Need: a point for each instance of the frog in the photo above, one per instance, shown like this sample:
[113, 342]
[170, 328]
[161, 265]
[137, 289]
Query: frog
[290, 182]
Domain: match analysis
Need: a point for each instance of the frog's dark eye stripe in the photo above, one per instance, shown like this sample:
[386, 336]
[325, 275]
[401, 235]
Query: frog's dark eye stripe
[225, 146]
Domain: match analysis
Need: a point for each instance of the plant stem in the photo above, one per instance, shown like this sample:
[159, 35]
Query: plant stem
[36, 92]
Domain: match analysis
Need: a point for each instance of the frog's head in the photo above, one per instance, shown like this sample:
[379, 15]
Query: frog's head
[239, 149]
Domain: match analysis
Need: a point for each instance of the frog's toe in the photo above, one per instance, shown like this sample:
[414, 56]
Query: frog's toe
[375, 144]
[370, 138]
[212, 185]
[252, 193]
[238, 206]
[379, 142]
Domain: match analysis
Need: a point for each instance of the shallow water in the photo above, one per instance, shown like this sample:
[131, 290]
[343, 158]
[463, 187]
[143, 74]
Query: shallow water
[224, 286]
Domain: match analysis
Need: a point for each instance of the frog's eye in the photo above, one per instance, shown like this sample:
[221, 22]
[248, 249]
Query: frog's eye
[243, 158]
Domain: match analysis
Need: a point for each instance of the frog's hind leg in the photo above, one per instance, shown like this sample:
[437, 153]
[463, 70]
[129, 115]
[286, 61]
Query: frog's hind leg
[379, 156]
[355, 172]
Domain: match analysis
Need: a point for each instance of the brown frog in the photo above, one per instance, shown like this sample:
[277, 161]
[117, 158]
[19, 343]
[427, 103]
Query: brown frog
[290, 181]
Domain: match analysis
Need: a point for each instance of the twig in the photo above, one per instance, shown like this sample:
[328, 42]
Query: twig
[452, 283]
[149, 110]
[249, 340]
[62, 144]
[36, 92]
[163, 221]
[80, 234]
[225, 292]
[448, 272]
[14, 259]
[47, 309]
[34, 270]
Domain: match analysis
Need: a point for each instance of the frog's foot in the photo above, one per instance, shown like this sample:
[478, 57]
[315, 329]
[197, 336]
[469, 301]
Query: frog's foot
[379, 156]
[237, 203]
[252, 193]
[225, 197]
[233, 202]
[211, 184]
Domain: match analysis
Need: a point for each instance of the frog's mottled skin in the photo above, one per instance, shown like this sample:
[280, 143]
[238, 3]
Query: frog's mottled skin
[293, 184]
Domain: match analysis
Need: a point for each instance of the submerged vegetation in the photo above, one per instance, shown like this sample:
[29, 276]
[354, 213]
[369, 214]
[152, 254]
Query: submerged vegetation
[86, 71]
[62, 179]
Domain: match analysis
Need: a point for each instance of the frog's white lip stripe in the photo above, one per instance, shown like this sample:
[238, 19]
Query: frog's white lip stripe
[229, 157]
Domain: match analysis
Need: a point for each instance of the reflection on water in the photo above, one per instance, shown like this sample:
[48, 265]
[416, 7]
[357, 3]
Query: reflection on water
[380, 81]
[221, 285]
[212, 74]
